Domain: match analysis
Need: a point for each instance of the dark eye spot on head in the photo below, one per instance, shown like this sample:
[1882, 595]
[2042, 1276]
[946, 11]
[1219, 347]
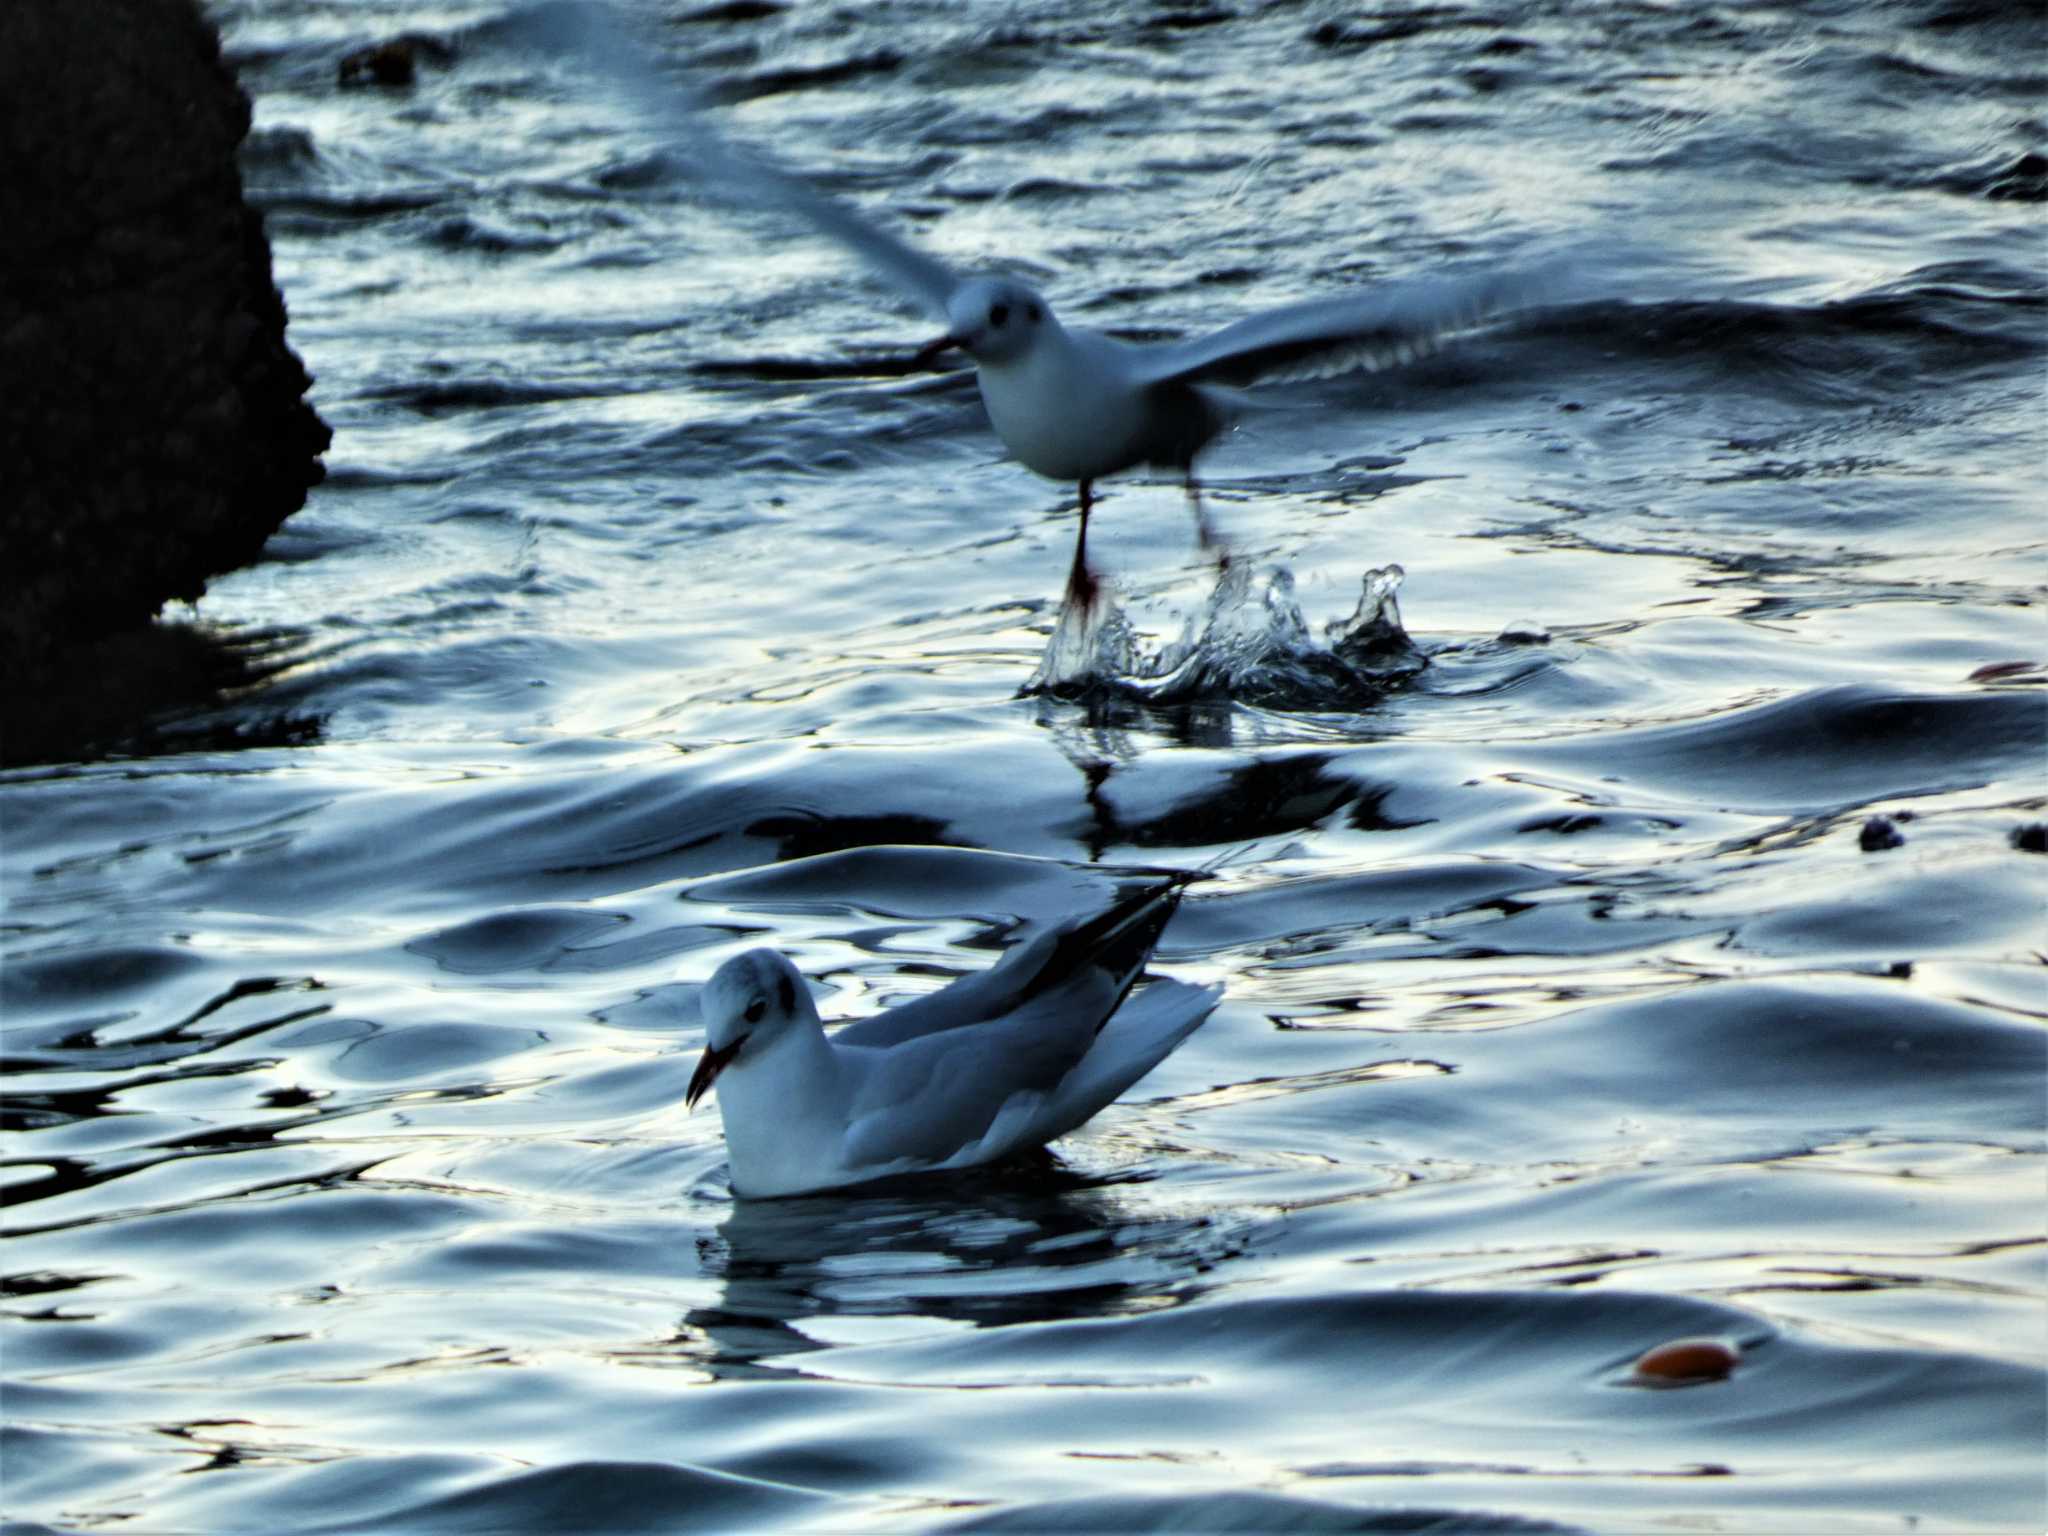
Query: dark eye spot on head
[997, 314]
[755, 1009]
[788, 994]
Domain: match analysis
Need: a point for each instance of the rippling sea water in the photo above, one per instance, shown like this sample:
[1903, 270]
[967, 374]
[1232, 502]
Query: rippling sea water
[652, 611]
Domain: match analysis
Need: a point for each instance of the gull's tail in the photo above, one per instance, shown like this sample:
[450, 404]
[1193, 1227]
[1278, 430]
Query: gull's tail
[1140, 1035]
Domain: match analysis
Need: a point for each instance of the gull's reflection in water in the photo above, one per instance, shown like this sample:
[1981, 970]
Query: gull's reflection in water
[1027, 1241]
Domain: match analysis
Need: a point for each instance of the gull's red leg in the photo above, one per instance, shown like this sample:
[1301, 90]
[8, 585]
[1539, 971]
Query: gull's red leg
[1081, 584]
[1205, 531]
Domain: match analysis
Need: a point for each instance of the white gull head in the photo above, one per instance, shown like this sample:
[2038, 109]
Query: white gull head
[750, 1003]
[994, 320]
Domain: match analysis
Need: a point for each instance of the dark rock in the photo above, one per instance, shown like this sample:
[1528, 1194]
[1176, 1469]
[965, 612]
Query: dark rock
[2031, 838]
[153, 426]
[733, 10]
[395, 62]
[1878, 834]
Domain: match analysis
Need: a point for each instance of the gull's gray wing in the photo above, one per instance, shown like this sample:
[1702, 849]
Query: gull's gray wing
[748, 177]
[1115, 943]
[605, 42]
[928, 1099]
[1321, 338]
[936, 1076]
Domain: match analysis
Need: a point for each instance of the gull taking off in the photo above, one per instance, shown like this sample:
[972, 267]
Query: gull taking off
[1078, 405]
[994, 1064]
[1073, 404]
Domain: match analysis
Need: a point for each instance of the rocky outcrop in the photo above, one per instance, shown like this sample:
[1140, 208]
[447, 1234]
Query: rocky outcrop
[154, 429]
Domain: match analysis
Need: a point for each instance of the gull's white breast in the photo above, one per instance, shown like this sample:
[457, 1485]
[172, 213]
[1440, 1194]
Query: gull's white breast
[1066, 408]
[784, 1111]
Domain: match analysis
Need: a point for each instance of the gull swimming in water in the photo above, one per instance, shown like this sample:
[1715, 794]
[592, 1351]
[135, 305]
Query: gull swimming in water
[994, 1064]
[1073, 404]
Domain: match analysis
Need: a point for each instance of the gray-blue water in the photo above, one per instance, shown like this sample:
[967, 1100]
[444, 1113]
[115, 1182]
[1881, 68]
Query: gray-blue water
[651, 611]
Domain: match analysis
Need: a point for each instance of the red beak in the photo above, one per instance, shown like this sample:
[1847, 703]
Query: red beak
[932, 349]
[709, 1065]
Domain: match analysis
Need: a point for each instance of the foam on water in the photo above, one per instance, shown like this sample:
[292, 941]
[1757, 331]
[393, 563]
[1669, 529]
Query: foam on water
[1248, 644]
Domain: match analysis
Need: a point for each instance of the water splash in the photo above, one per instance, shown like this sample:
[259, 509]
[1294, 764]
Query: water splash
[1248, 644]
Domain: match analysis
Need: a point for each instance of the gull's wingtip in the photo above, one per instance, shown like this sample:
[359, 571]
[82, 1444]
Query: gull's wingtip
[602, 39]
[1203, 996]
[1153, 1022]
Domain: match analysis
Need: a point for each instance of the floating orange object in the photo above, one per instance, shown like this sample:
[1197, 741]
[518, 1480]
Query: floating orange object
[1689, 1360]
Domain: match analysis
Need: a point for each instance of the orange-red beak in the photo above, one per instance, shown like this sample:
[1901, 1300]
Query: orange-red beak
[709, 1065]
[932, 349]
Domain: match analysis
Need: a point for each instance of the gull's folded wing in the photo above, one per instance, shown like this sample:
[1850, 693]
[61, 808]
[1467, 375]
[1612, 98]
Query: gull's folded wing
[929, 1099]
[943, 1073]
[1113, 945]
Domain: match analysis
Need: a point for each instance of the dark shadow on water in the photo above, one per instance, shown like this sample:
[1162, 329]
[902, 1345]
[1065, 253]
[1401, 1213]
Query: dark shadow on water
[803, 834]
[1248, 1510]
[1265, 796]
[163, 688]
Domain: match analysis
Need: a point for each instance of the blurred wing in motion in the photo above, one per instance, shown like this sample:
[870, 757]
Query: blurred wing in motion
[745, 176]
[1322, 338]
[598, 38]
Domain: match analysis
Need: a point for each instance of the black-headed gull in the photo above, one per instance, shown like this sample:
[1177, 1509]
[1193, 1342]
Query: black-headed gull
[994, 1064]
[1073, 404]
